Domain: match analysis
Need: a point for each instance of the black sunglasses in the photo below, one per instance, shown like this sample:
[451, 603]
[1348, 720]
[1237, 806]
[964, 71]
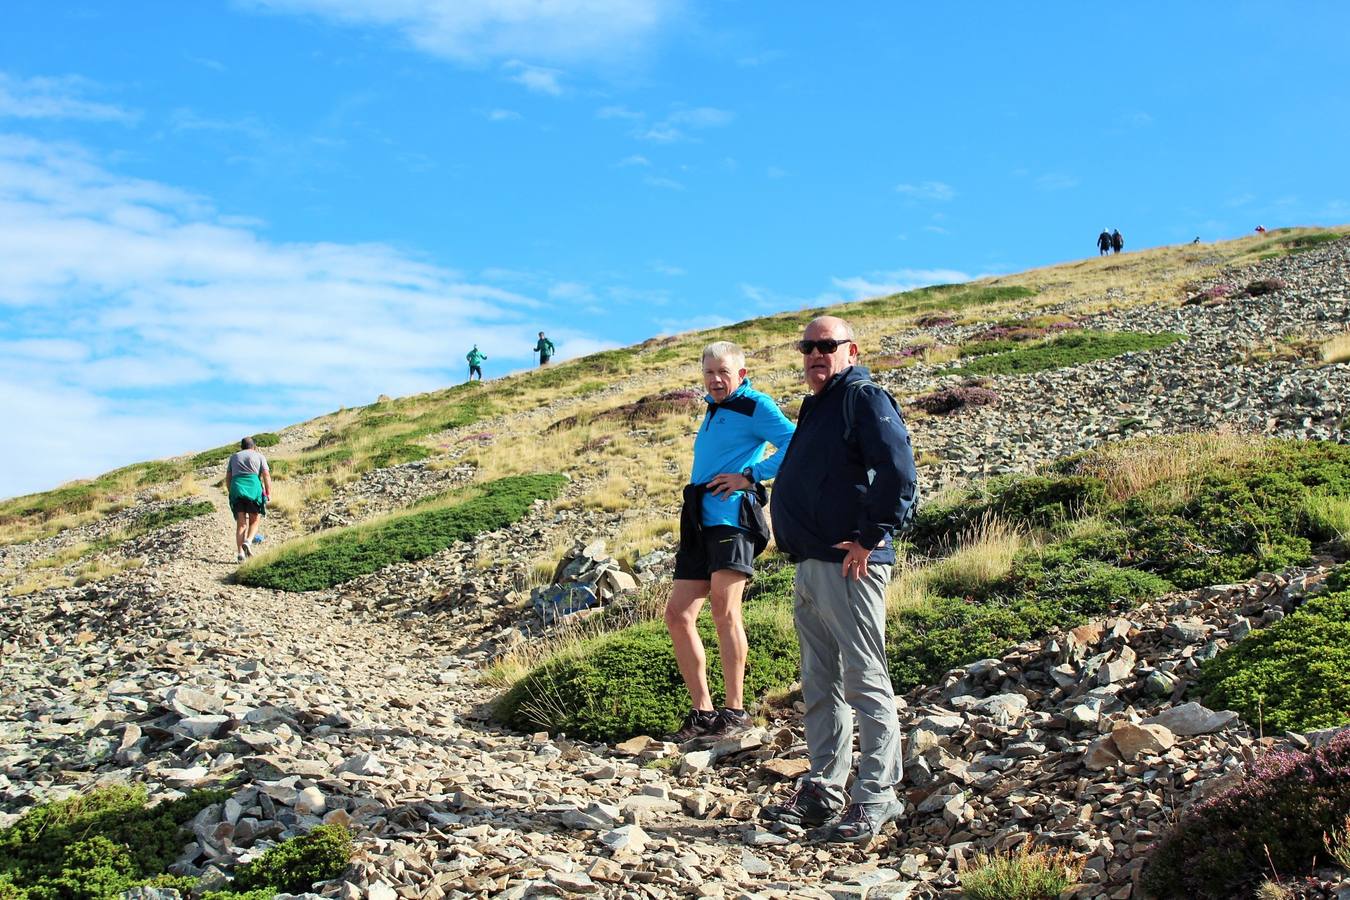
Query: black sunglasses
[824, 345]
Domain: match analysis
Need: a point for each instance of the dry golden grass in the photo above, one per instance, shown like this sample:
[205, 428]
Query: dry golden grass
[1131, 467]
[941, 353]
[907, 590]
[983, 556]
[1337, 349]
[288, 500]
[573, 633]
[182, 489]
[96, 569]
[646, 532]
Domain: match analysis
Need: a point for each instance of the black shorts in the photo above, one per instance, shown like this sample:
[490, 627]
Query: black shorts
[244, 505]
[721, 547]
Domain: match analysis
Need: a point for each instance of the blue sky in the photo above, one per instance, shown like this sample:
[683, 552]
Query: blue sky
[234, 218]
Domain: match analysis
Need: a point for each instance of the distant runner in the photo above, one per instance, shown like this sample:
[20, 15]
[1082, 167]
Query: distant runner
[249, 483]
[544, 348]
[475, 358]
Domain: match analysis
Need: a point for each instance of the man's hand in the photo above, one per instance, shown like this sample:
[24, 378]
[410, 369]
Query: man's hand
[855, 563]
[723, 485]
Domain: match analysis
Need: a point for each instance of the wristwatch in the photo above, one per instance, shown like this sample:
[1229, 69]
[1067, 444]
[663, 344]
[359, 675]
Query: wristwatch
[748, 473]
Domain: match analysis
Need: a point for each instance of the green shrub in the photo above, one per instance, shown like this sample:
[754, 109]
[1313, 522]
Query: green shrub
[628, 682]
[95, 845]
[1291, 676]
[1068, 350]
[346, 553]
[1275, 820]
[170, 514]
[292, 866]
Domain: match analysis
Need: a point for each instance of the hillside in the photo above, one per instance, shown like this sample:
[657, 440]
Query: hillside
[134, 651]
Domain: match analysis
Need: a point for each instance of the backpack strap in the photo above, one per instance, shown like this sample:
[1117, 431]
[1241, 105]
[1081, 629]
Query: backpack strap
[851, 391]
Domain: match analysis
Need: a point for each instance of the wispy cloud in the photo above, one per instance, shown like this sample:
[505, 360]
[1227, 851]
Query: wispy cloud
[1057, 181]
[681, 120]
[636, 159]
[896, 281]
[477, 30]
[56, 98]
[130, 303]
[661, 181]
[666, 269]
[618, 112]
[927, 190]
[540, 79]
[502, 115]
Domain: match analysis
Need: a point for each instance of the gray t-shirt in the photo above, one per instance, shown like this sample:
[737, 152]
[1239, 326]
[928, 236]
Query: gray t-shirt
[247, 462]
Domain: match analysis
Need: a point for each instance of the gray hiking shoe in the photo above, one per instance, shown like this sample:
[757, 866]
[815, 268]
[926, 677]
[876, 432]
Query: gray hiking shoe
[699, 723]
[863, 821]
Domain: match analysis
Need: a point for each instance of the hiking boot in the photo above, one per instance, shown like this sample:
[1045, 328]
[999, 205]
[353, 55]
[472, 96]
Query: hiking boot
[863, 821]
[697, 724]
[248, 551]
[808, 807]
[729, 722]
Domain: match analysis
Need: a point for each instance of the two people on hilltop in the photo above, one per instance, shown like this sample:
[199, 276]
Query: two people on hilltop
[1109, 242]
[544, 347]
[248, 482]
[846, 485]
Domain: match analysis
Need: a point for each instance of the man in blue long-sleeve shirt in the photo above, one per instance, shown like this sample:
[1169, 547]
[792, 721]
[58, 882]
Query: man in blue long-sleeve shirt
[846, 486]
[722, 529]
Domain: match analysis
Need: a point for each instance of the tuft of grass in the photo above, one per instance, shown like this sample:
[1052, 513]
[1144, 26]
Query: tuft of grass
[1021, 874]
[984, 556]
[1336, 349]
[1329, 515]
[1130, 468]
[343, 554]
[1337, 842]
[1070, 349]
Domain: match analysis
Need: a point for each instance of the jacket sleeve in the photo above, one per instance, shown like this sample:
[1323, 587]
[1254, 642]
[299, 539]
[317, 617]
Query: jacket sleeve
[884, 441]
[771, 425]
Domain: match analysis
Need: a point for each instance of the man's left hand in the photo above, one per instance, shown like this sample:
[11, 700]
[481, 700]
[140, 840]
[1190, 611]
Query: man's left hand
[723, 485]
[855, 562]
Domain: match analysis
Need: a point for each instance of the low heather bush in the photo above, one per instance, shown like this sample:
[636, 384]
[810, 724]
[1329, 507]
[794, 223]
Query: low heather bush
[935, 320]
[1284, 807]
[949, 400]
[1265, 286]
[293, 866]
[684, 401]
[1069, 349]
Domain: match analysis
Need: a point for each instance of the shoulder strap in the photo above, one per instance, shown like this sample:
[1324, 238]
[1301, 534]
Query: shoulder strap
[851, 391]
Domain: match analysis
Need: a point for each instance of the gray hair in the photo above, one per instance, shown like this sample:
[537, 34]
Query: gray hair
[724, 350]
[247, 444]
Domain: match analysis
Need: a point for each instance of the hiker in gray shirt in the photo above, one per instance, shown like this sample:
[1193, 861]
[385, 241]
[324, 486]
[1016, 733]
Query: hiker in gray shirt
[249, 483]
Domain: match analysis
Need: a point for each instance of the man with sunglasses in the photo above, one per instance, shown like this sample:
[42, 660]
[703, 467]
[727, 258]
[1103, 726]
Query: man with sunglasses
[846, 485]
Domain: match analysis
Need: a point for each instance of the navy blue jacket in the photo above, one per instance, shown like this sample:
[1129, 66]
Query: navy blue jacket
[822, 496]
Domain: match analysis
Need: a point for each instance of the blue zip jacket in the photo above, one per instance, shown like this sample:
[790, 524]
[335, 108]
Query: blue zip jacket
[732, 438]
[823, 495]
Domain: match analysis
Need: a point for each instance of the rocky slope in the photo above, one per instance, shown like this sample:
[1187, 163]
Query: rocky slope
[363, 704]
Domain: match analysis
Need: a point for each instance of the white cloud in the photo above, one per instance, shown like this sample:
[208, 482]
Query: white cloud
[702, 117]
[675, 125]
[618, 112]
[540, 79]
[55, 98]
[128, 305]
[775, 172]
[502, 115]
[927, 190]
[636, 159]
[478, 30]
[666, 268]
[660, 181]
[881, 284]
[1057, 181]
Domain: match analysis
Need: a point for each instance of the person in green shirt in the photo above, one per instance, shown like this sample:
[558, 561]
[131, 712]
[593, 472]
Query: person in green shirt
[475, 358]
[544, 348]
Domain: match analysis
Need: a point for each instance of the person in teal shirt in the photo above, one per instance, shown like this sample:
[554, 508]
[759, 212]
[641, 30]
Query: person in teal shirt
[544, 348]
[722, 529]
[475, 358]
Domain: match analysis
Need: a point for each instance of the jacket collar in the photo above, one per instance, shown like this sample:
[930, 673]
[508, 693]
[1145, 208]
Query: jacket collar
[740, 391]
